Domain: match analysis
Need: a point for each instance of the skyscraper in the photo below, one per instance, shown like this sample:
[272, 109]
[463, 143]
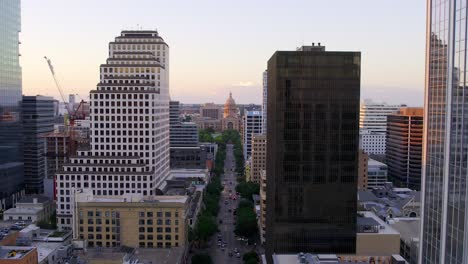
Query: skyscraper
[444, 233]
[312, 143]
[252, 126]
[404, 147]
[373, 125]
[129, 135]
[38, 120]
[11, 155]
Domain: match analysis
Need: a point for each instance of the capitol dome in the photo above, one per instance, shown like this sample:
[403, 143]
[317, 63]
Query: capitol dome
[230, 108]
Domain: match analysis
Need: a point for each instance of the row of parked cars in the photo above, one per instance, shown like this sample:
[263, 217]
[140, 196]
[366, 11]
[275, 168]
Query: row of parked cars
[6, 230]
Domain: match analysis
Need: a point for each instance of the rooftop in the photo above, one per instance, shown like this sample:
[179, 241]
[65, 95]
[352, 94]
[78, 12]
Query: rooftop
[30, 199]
[370, 223]
[87, 197]
[14, 252]
[26, 211]
[308, 258]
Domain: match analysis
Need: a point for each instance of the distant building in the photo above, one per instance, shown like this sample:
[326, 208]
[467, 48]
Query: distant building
[377, 173]
[185, 149]
[362, 174]
[38, 120]
[60, 146]
[264, 102]
[207, 123]
[252, 126]
[210, 110]
[131, 220]
[312, 162]
[404, 147]
[231, 119]
[258, 157]
[373, 125]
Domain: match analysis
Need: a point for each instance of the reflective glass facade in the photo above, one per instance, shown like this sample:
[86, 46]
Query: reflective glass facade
[445, 157]
[11, 166]
[312, 142]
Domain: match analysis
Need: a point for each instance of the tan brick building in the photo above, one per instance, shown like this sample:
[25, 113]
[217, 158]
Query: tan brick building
[363, 169]
[131, 220]
[262, 205]
[258, 157]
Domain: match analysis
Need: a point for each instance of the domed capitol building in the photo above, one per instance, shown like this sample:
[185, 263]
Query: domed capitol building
[231, 119]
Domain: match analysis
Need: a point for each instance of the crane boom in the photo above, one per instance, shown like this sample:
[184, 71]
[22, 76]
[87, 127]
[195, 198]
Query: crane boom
[57, 82]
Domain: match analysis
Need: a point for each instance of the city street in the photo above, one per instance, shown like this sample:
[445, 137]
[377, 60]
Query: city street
[228, 221]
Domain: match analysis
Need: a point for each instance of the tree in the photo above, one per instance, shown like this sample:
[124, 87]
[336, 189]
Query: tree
[205, 136]
[206, 226]
[246, 223]
[247, 189]
[201, 259]
[250, 258]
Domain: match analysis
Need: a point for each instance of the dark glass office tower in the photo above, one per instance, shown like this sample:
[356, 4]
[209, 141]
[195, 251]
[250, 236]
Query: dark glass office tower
[312, 142]
[38, 120]
[11, 155]
[444, 233]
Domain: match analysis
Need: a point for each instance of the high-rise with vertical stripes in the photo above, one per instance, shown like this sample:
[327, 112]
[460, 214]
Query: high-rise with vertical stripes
[444, 232]
[129, 140]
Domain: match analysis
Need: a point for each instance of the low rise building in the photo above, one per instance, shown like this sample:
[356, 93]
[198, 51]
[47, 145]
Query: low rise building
[388, 202]
[131, 220]
[409, 229]
[308, 258]
[32, 208]
[18, 255]
[375, 237]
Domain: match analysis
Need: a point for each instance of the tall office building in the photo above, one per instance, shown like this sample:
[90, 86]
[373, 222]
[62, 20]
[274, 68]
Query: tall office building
[373, 125]
[312, 143]
[258, 161]
[252, 126]
[11, 155]
[404, 147]
[265, 102]
[129, 132]
[210, 110]
[185, 149]
[38, 120]
[444, 230]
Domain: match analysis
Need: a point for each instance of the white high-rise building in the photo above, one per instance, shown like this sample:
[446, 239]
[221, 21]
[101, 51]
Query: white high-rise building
[252, 126]
[129, 133]
[373, 125]
[264, 102]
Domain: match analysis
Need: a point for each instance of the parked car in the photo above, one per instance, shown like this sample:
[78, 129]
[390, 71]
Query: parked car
[238, 255]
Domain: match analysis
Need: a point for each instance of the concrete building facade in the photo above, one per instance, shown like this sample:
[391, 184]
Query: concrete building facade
[129, 143]
[377, 173]
[131, 220]
[363, 177]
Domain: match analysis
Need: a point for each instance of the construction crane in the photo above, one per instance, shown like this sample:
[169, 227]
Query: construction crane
[59, 87]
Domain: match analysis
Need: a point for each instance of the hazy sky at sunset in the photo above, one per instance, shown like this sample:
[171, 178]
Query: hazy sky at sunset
[217, 46]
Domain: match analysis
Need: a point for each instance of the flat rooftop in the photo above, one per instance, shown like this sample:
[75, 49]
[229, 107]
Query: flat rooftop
[134, 198]
[44, 249]
[143, 255]
[369, 218]
[7, 253]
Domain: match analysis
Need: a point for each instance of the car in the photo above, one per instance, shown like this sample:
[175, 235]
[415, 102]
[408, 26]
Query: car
[219, 236]
[236, 250]
[15, 227]
[230, 190]
[220, 239]
[219, 243]
[238, 255]
[223, 248]
[230, 253]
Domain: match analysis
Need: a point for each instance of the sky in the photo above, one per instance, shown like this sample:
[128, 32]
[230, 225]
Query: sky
[221, 46]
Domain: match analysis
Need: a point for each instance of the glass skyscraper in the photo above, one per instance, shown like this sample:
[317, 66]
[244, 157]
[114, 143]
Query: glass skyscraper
[11, 164]
[445, 155]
